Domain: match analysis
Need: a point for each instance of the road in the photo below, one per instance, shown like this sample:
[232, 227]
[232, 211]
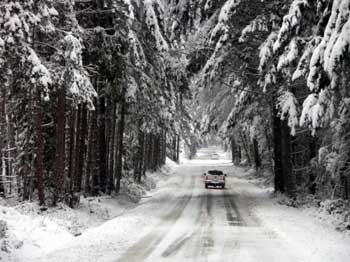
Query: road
[209, 224]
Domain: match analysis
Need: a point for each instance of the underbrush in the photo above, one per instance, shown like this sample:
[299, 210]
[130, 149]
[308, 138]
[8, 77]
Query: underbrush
[335, 211]
[262, 177]
[133, 190]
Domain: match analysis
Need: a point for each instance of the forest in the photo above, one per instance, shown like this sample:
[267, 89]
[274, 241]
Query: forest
[94, 93]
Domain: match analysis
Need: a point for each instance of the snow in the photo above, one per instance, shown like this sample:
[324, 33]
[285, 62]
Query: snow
[2, 42]
[260, 23]
[340, 37]
[226, 10]
[39, 72]
[73, 50]
[334, 45]
[290, 21]
[78, 82]
[314, 110]
[224, 15]
[13, 23]
[288, 105]
[290, 54]
[309, 114]
[131, 9]
[303, 64]
[37, 233]
[152, 8]
[34, 235]
[266, 50]
[53, 11]
[172, 222]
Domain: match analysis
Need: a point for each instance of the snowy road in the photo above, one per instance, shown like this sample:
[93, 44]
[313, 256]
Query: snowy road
[182, 221]
[209, 225]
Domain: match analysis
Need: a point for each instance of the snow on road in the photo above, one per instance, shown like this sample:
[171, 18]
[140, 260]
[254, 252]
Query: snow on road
[183, 221]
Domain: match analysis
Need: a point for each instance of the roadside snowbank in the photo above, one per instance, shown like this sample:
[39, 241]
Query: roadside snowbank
[309, 231]
[27, 233]
[334, 212]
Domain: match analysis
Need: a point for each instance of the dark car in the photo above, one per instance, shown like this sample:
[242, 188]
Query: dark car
[214, 178]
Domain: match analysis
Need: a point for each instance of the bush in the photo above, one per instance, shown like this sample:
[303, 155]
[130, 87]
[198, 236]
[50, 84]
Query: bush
[3, 229]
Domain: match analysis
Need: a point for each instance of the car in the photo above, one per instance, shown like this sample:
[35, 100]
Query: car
[214, 178]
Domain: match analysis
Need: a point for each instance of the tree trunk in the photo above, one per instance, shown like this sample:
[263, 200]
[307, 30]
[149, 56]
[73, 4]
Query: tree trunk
[289, 176]
[2, 144]
[145, 155]
[257, 159]
[81, 154]
[89, 168]
[174, 149]
[246, 147]
[102, 143]
[60, 145]
[233, 149]
[39, 159]
[150, 151]
[278, 170]
[141, 156]
[112, 151]
[95, 157]
[178, 149]
[164, 147]
[71, 154]
[121, 127]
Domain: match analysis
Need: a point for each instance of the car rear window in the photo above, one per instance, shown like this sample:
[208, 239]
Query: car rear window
[215, 172]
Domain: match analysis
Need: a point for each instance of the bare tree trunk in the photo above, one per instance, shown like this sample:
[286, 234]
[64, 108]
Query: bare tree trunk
[246, 147]
[150, 151]
[95, 157]
[141, 156]
[2, 144]
[89, 168]
[233, 149]
[112, 151]
[145, 155]
[39, 160]
[289, 177]
[257, 159]
[164, 147]
[174, 149]
[71, 154]
[278, 170]
[60, 145]
[121, 127]
[102, 142]
[81, 152]
[178, 149]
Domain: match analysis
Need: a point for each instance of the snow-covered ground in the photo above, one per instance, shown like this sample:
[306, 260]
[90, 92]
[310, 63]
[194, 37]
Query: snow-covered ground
[180, 220]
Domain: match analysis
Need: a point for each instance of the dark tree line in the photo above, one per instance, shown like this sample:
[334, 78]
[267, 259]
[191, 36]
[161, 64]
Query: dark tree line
[271, 80]
[87, 99]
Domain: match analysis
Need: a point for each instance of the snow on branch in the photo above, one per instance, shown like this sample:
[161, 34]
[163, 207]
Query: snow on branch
[334, 46]
[288, 105]
[261, 23]
[304, 61]
[39, 73]
[75, 77]
[291, 21]
[16, 20]
[153, 15]
[290, 54]
[314, 110]
[225, 13]
[266, 50]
